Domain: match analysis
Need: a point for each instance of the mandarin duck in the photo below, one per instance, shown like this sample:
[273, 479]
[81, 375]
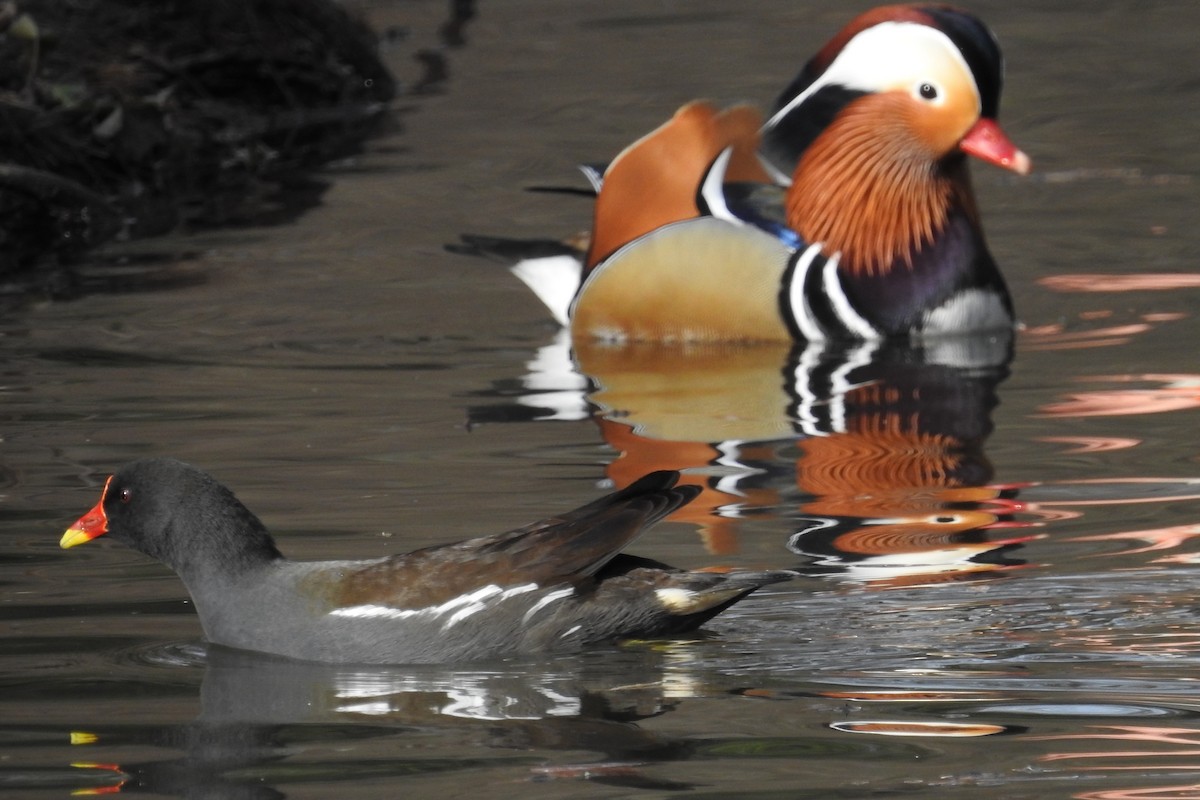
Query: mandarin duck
[848, 214]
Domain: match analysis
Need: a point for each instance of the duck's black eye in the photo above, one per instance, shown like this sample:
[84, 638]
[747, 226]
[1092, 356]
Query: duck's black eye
[125, 495]
[928, 91]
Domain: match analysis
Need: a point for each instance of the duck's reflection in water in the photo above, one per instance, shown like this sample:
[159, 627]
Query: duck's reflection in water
[871, 455]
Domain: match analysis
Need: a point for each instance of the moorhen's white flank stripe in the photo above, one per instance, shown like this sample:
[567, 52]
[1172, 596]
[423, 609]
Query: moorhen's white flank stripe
[554, 596]
[473, 602]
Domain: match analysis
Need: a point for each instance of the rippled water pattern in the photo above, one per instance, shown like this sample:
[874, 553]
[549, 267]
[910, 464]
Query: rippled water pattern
[998, 545]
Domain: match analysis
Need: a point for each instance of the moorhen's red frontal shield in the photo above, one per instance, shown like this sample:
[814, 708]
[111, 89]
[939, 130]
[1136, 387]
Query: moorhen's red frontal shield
[91, 525]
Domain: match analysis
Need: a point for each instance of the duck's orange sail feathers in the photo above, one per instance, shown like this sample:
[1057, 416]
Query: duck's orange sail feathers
[654, 181]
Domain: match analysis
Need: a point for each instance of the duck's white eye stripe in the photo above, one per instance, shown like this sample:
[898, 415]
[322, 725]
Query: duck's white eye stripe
[887, 56]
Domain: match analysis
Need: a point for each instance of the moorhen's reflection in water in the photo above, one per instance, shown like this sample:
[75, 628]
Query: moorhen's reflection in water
[260, 714]
[872, 454]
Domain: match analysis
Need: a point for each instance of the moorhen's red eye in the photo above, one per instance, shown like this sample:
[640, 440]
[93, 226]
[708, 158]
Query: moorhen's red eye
[125, 495]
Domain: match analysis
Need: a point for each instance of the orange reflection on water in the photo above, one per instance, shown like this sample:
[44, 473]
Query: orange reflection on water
[1156, 538]
[1188, 737]
[940, 730]
[1096, 282]
[1175, 392]
[1181, 643]
[885, 451]
[1189, 791]
[1058, 336]
[1054, 337]
[1182, 558]
[1091, 444]
[713, 512]
[1193, 492]
[908, 696]
[1163, 747]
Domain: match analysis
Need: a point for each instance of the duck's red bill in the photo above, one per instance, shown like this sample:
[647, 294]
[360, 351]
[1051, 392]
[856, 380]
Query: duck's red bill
[92, 524]
[988, 142]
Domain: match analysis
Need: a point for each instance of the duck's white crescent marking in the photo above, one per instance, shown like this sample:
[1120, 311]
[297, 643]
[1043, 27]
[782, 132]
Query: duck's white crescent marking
[832, 284]
[868, 61]
[808, 326]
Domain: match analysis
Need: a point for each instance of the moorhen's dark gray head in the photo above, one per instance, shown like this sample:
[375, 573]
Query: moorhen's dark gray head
[179, 515]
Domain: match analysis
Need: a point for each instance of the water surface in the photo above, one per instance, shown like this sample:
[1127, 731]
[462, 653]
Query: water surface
[998, 540]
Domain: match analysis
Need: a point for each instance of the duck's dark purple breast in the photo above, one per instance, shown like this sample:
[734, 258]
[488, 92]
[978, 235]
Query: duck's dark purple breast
[895, 301]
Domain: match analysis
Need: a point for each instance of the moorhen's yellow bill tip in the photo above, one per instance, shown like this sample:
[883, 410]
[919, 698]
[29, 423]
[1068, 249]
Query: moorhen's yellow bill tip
[73, 537]
[92, 524]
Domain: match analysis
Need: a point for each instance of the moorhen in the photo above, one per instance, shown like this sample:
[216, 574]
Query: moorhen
[561, 583]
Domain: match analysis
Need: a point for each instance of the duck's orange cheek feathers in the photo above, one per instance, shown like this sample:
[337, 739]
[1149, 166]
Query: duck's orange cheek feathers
[936, 127]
